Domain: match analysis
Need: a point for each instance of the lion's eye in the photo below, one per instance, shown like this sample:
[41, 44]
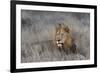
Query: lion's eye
[57, 33]
[62, 34]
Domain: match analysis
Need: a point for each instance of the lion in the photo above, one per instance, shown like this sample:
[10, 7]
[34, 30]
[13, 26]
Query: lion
[64, 39]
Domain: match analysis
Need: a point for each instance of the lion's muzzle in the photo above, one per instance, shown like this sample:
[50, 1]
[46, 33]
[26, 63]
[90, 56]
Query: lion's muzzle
[59, 43]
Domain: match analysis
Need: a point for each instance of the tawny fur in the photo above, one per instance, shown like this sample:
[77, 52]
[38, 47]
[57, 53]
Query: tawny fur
[63, 38]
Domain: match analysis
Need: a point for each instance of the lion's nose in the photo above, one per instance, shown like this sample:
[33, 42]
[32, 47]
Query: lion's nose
[58, 40]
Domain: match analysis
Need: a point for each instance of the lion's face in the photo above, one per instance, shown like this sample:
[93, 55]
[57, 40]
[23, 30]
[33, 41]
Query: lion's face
[61, 33]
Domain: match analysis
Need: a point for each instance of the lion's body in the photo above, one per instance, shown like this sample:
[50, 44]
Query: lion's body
[63, 38]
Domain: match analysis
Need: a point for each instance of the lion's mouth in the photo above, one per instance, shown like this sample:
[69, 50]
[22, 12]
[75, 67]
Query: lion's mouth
[59, 44]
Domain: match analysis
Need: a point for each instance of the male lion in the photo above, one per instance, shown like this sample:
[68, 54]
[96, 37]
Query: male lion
[63, 38]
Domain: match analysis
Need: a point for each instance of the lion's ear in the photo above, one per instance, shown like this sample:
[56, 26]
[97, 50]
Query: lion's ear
[58, 26]
[67, 29]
